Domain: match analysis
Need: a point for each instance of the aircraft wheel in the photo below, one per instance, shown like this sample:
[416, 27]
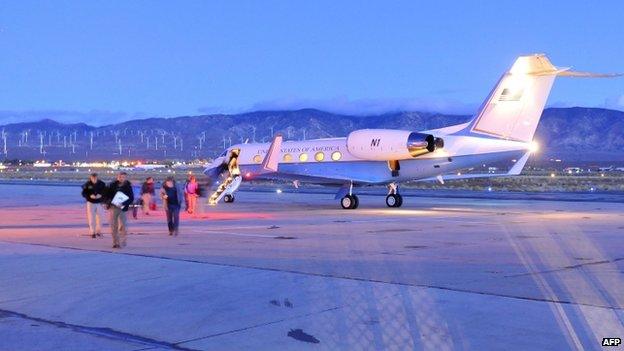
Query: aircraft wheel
[394, 200]
[349, 202]
[228, 198]
[357, 201]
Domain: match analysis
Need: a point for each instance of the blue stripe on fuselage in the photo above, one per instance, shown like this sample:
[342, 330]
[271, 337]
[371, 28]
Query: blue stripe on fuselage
[371, 172]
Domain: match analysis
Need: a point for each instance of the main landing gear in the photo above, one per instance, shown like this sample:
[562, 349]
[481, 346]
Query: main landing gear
[394, 199]
[350, 202]
[228, 198]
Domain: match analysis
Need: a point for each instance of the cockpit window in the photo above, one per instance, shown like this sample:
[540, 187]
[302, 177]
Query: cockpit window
[223, 153]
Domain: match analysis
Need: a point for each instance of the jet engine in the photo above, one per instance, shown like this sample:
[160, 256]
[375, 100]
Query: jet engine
[391, 144]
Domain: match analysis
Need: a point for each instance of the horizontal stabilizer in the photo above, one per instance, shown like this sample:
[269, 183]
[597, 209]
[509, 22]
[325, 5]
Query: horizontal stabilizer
[576, 74]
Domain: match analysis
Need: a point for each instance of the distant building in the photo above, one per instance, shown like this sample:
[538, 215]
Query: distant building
[573, 170]
[42, 164]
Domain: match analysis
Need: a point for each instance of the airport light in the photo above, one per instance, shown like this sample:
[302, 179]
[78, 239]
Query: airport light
[279, 191]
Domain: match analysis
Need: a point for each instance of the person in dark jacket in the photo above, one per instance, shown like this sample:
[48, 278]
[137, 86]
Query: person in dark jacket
[94, 191]
[147, 194]
[119, 221]
[172, 195]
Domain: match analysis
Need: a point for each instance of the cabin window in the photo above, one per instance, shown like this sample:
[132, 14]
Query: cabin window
[288, 158]
[303, 157]
[257, 159]
[319, 156]
[336, 155]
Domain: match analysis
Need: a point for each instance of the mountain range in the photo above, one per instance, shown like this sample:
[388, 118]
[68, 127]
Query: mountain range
[577, 133]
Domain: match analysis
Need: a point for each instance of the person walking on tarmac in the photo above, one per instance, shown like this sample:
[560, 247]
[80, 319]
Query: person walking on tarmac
[147, 194]
[94, 191]
[191, 189]
[120, 196]
[172, 195]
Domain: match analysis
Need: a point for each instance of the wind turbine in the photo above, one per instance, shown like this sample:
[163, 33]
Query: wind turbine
[201, 139]
[4, 141]
[40, 142]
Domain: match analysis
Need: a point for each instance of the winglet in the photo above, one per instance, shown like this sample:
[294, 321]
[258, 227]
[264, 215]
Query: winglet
[271, 160]
[519, 165]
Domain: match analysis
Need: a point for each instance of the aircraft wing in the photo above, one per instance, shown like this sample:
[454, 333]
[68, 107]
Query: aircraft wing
[515, 170]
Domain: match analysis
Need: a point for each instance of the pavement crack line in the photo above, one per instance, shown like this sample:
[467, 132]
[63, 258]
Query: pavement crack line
[107, 333]
[260, 325]
[575, 266]
[324, 275]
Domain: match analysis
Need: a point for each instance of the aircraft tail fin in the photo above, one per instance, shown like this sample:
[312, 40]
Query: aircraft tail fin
[513, 109]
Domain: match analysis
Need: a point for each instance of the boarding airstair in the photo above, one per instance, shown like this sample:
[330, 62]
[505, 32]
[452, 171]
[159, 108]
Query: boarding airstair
[232, 182]
[227, 188]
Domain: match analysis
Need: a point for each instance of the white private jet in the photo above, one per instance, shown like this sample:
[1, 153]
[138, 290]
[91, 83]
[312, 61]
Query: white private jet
[502, 130]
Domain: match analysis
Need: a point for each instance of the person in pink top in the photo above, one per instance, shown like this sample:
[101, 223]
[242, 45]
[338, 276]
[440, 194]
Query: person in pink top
[192, 193]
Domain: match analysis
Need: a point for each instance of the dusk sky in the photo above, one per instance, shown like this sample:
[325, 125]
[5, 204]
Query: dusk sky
[106, 61]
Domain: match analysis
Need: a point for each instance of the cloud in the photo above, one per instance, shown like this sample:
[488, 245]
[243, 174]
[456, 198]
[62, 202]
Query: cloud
[615, 102]
[344, 105]
[93, 117]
